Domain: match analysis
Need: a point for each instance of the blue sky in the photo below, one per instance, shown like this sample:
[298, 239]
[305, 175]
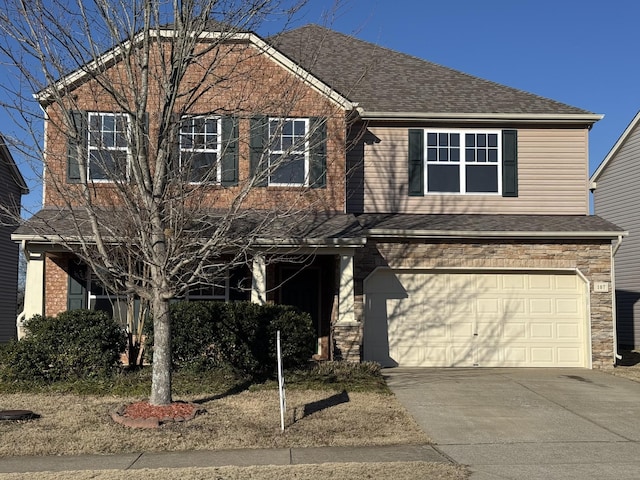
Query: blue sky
[580, 52]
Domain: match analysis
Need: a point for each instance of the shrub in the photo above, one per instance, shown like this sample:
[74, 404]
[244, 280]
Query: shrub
[246, 337]
[192, 334]
[238, 335]
[74, 345]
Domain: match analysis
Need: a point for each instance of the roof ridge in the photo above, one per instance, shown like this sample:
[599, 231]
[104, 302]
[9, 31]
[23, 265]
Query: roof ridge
[357, 42]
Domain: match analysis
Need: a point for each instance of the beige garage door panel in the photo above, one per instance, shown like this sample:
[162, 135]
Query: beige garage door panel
[485, 319]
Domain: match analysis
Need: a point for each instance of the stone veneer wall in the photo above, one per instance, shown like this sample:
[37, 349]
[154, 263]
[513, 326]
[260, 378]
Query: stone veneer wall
[346, 342]
[591, 257]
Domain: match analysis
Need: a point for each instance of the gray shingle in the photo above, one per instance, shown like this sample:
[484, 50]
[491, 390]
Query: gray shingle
[334, 226]
[571, 225]
[383, 80]
[262, 224]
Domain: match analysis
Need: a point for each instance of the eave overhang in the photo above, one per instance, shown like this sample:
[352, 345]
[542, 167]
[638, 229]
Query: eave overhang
[497, 118]
[474, 234]
[287, 243]
[111, 57]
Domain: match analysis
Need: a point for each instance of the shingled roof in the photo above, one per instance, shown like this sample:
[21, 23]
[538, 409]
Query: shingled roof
[383, 80]
[66, 225]
[470, 225]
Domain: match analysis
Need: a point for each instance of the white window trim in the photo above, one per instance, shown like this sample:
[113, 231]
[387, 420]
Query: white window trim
[194, 298]
[281, 120]
[462, 163]
[218, 175]
[118, 149]
[118, 302]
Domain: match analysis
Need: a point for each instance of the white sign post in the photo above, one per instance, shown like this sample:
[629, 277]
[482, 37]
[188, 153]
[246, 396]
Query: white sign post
[283, 399]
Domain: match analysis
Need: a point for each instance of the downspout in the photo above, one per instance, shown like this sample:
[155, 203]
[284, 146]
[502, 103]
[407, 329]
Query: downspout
[614, 250]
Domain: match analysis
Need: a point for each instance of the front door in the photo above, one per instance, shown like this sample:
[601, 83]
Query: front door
[301, 288]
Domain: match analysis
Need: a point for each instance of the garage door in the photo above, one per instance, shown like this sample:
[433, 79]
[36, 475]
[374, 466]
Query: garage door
[506, 319]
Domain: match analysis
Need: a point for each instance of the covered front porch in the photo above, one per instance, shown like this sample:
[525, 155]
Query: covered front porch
[315, 275]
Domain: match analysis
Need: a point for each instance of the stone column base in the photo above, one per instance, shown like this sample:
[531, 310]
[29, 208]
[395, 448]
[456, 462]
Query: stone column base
[346, 342]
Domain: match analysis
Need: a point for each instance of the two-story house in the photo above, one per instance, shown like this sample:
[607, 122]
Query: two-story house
[13, 186]
[615, 198]
[450, 221]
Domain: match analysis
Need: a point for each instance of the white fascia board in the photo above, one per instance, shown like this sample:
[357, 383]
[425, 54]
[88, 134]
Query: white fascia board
[614, 150]
[382, 233]
[561, 118]
[312, 242]
[284, 242]
[284, 61]
[112, 56]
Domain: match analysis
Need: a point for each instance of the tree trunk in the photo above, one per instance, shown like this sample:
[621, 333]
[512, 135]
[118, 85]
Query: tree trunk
[161, 376]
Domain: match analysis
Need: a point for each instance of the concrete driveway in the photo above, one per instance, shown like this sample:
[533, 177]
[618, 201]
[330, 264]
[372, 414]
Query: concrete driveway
[527, 423]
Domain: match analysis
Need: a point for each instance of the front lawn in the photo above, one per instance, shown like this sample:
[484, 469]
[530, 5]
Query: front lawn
[337, 406]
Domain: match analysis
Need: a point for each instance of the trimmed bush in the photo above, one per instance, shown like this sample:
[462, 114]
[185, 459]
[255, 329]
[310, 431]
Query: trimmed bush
[246, 337]
[74, 345]
[238, 335]
[192, 331]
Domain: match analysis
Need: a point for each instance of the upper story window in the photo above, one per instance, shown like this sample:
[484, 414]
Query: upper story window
[463, 161]
[200, 148]
[288, 162]
[288, 152]
[108, 146]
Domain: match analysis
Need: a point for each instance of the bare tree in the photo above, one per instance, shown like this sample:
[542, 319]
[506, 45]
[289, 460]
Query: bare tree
[149, 105]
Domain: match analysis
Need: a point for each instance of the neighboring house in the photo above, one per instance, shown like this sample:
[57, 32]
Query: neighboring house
[615, 186]
[12, 187]
[455, 228]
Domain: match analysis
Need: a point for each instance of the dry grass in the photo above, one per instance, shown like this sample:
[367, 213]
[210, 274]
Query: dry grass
[353, 471]
[72, 424]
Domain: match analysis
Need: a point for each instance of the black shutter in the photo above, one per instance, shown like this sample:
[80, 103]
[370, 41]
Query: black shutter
[229, 160]
[416, 162]
[259, 149]
[77, 286]
[76, 146]
[317, 152]
[509, 163]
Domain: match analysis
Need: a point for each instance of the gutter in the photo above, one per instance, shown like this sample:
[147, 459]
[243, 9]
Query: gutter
[565, 118]
[378, 233]
[280, 242]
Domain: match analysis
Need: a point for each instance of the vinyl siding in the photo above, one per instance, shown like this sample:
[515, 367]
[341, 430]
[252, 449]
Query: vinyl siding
[10, 196]
[552, 177]
[616, 199]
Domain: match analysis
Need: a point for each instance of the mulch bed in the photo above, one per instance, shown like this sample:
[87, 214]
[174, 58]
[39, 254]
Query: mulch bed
[145, 415]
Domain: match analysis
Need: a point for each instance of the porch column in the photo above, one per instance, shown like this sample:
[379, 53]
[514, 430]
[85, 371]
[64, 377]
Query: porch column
[259, 280]
[33, 289]
[346, 313]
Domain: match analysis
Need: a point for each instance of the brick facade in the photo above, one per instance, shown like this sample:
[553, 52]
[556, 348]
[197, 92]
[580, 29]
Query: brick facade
[591, 258]
[56, 283]
[245, 83]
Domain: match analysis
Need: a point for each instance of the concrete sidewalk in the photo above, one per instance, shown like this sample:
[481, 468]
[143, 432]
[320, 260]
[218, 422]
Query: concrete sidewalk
[219, 458]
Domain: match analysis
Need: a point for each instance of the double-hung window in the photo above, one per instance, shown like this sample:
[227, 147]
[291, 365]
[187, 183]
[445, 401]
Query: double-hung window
[463, 161]
[108, 146]
[288, 157]
[200, 148]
